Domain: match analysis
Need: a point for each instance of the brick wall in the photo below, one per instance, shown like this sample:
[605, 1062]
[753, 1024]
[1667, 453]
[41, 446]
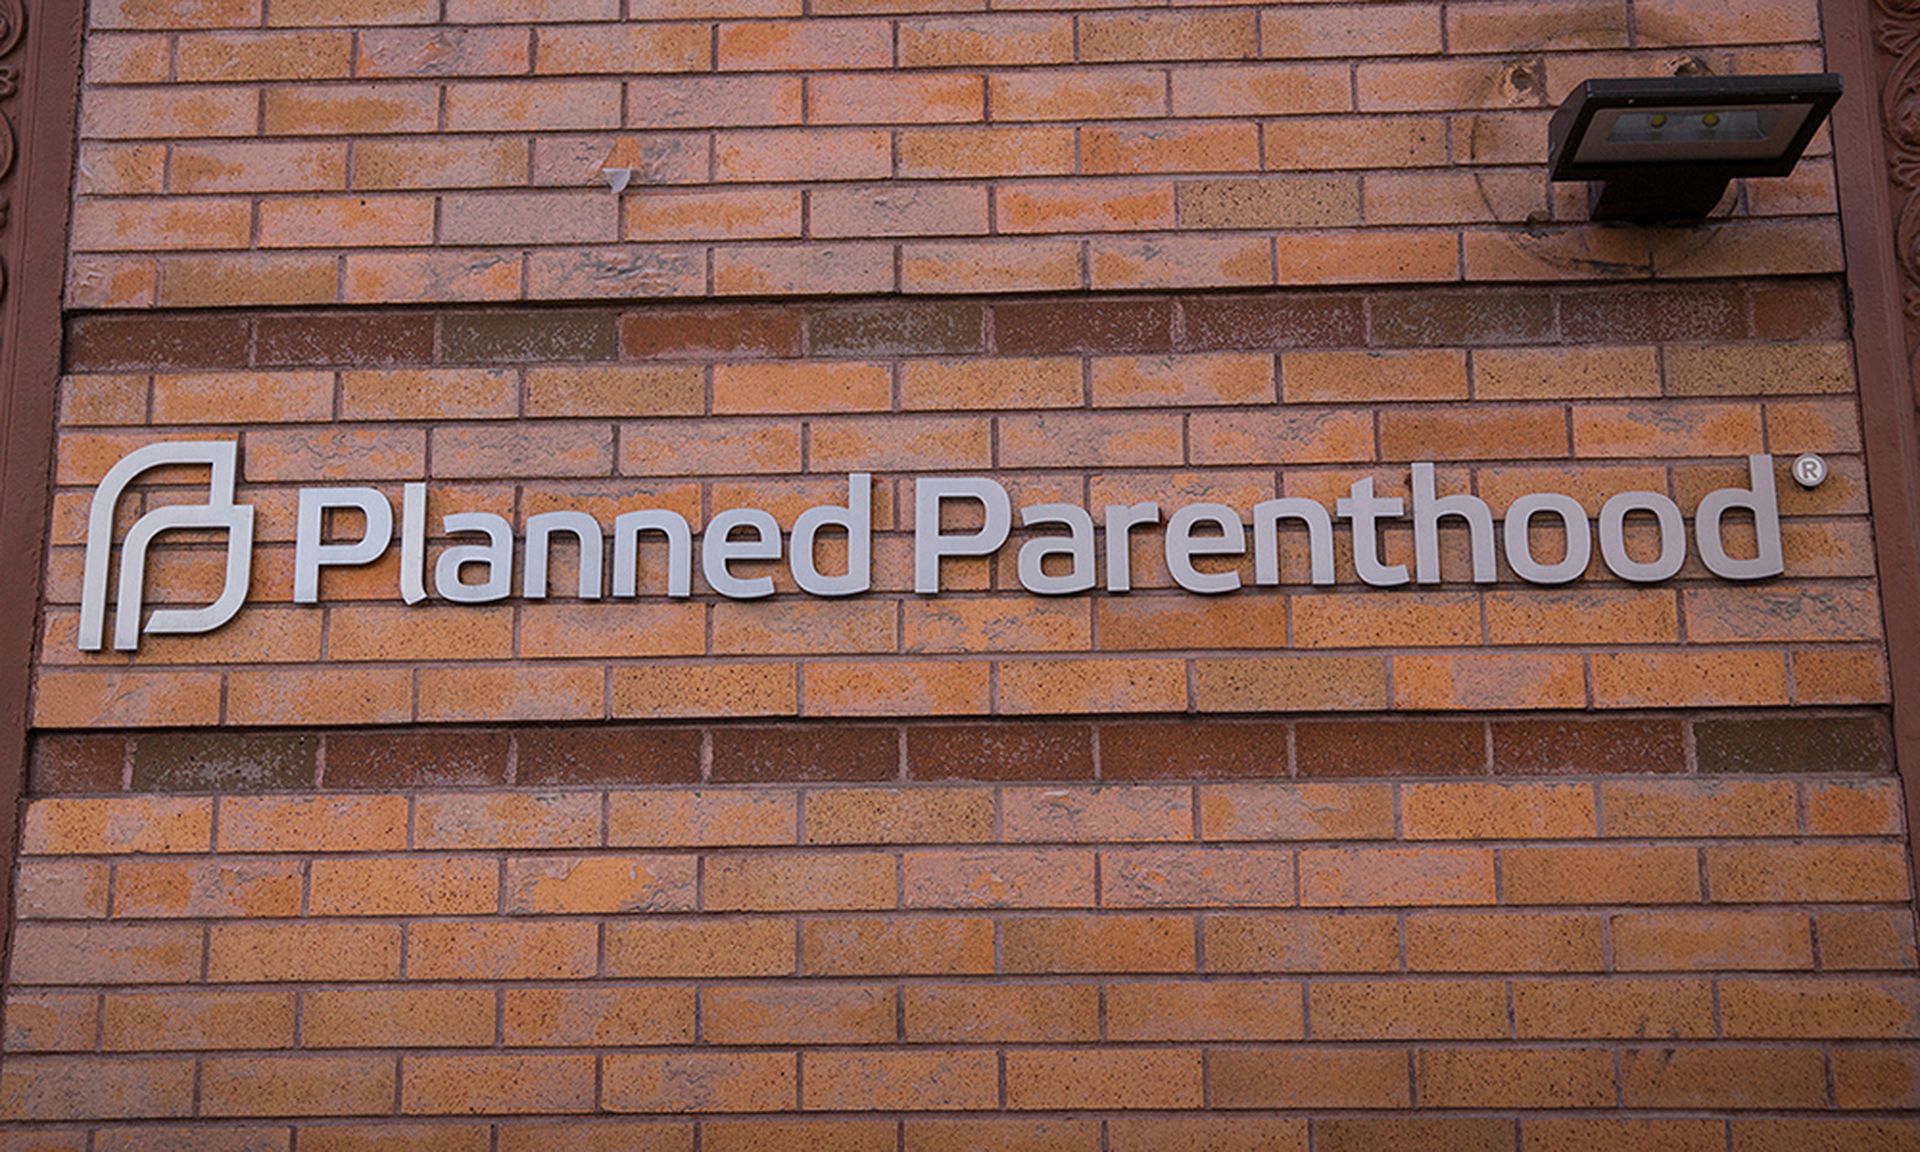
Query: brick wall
[1457, 868]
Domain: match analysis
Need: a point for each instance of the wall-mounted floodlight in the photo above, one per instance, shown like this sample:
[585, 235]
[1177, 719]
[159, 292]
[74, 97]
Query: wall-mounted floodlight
[1662, 150]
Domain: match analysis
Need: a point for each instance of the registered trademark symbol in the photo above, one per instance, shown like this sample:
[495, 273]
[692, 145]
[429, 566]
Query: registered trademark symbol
[1809, 471]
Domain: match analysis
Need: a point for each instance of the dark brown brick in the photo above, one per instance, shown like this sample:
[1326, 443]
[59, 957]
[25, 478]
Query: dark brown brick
[619, 755]
[518, 337]
[1007, 750]
[1793, 744]
[1097, 326]
[1800, 310]
[162, 340]
[224, 761]
[1455, 316]
[77, 764]
[1582, 747]
[1623, 314]
[817, 752]
[352, 340]
[902, 328]
[1192, 749]
[1424, 1133]
[698, 333]
[1273, 321]
[389, 759]
[1390, 748]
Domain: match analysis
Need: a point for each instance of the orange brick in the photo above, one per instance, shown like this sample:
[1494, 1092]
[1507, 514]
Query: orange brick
[922, 688]
[387, 1136]
[502, 950]
[1291, 683]
[1595, 615]
[1481, 433]
[1200, 878]
[432, 393]
[1853, 808]
[1081, 206]
[999, 878]
[1303, 437]
[1202, 147]
[1224, 378]
[389, 632]
[1873, 1077]
[629, 49]
[507, 820]
[600, 884]
[127, 114]
[86, 1087]
[1537, 874]
[1303, 143]
[699, 1082]
[1405, 30]
[991, 384]
[1461, 811]
[1824, 873]
[650, 947]
[526, 105]
[166, 1021]
[1612, 1008]
[1434, 374]
[63, 889]
[143, 824]
[404, 886]
[597, 1015]
[124, 699]
[1865, 939]
[817, 387]
[432, 163]
[889, 946]
[1673, 679]
[1118, 943]
[823, 1135]
[1696, 940]
[1515, 1078]
[1700, 808]
[943, 153]
[1489, 680]
[1242, 1011]
[1821, 1135]
[1382, 876]
[350, 110]
[1775, 1077]
[802, 154]
[896, 98]
[1167, 36]
[1117, 812]
[1001, 1013]
[1301, 942]
[172, 224]
[1504, 942]
[1103, 1078]
[1092, 686]
[792, 880]
[731, 690]
[1039, 1134]
[207, 888]
[397, 1018]
[900, 816]
[941, 1081]
[1296, 811]
[471, 1083]
[606, 390]
[1573, 373]
[946, 41]
[313, 824]
[52, 1022]
[1077, 94]
[722, 214]
[1858, 1008]
[1308, 1077]
[794, 1014]
[256, 953]
[275, 1085]
[689, 818]
[1409, 1010]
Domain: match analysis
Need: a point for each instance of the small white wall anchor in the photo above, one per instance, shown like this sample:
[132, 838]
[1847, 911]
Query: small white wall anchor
[618, 178]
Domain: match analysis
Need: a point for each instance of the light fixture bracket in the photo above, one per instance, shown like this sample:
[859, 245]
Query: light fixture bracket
[1663, 149]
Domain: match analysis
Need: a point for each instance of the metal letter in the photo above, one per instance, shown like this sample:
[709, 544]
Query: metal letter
[718, 549]
[1760, 500]
[1121, 519]
[626, 550]
[1363, 508]
[540, 529]
[857, 519]
[1613, 537]
[310, 555]
[496, 554]
[1078, 546]
[1427, 513]
[1183, 546]
[930, 544]
[220, 511]
[1520, 546]
[1266, 537]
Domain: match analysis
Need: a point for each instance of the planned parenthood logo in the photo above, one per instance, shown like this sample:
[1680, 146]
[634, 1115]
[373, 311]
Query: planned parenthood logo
[1064, 558]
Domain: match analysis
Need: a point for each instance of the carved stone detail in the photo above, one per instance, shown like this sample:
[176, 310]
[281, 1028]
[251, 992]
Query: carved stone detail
[1896, 33]
[13, 23]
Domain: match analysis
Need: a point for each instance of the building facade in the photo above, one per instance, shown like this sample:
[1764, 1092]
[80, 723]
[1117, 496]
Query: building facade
[948, 574]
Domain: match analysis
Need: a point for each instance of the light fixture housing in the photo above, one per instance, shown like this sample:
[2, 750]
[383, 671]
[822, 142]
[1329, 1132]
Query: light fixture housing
[1662, 150]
